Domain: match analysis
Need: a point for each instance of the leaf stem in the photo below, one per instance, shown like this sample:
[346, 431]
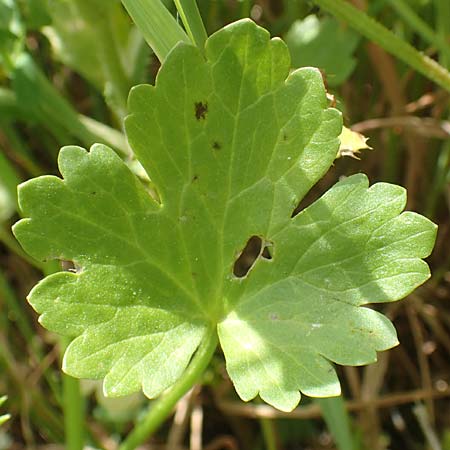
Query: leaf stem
[386, 39]
[192, 20]
[73, 405]
[268, 432]
[246, 8]
[162, 407]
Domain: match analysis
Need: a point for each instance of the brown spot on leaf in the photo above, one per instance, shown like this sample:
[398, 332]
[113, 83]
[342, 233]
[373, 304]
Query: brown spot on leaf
[200, 110]
[216, 145]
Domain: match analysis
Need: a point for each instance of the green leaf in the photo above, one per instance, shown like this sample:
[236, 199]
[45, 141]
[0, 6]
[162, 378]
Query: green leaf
[323, 43]
[232, 144]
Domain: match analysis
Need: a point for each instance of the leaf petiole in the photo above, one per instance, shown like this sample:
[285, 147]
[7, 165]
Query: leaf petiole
[161, 408]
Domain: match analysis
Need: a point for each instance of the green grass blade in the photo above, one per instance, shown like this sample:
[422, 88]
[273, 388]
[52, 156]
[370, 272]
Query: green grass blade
[192, 20]
[419, 25]
[337, 420]
[443, 29]
[160, 29]
[377, 33]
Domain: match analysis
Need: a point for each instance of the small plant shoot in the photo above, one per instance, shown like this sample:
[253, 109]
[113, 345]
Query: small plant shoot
[232, 141]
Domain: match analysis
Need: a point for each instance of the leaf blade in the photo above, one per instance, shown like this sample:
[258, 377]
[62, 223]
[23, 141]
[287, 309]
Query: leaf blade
[232, 143]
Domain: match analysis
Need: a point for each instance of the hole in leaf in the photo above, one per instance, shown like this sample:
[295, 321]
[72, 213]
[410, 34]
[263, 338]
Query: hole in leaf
[69, 266]
[266, 253]
[251, 252]
[200, 110]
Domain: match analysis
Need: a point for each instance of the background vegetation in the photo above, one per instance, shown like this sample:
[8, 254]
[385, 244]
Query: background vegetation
[66, 67]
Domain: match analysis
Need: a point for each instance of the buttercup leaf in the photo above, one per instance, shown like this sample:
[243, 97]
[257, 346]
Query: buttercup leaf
[232, 143]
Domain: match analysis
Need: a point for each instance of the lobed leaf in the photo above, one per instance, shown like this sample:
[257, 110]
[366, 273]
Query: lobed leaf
[232, 143]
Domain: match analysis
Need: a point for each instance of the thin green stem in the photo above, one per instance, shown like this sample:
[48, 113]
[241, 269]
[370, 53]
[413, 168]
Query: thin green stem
[73, 405]
[268, 433]
[160, 410]
[443, 27]
[386, 39]
[192, 20]
[160, 29]
[337, 420]
[419, 25]
[442, 167]
[246, 7]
